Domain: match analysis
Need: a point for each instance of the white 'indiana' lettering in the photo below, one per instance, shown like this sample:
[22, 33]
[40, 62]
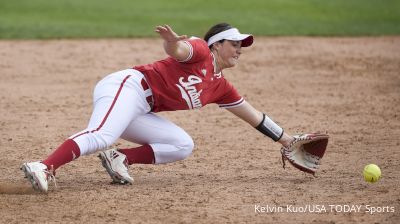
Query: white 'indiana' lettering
[189, 91]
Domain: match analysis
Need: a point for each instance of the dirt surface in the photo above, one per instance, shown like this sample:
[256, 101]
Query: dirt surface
[348, 87]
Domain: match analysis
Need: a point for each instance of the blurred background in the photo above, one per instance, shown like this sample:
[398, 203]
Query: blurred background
[46, 19]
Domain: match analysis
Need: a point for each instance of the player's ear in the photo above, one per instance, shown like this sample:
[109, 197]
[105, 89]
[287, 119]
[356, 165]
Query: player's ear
[216, 46]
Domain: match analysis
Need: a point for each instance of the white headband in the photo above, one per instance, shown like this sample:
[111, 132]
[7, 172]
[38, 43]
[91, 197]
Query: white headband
[231, 34]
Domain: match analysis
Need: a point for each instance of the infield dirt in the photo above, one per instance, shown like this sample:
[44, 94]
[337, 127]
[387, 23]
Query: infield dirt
[348, 87]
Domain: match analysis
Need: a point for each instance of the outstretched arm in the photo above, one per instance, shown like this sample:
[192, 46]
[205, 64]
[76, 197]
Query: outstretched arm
[304, 152]
[259, 120]
[173, 44]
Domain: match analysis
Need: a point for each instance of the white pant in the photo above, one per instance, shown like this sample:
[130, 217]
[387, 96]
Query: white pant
[121, 110]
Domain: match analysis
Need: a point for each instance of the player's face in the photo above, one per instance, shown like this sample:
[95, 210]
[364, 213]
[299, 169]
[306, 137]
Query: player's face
[229, 53]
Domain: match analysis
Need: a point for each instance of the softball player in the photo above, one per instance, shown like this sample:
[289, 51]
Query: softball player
[126, 103]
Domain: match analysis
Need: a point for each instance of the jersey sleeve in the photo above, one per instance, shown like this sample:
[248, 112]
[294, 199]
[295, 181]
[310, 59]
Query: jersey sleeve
[198, 50]
[229, 96]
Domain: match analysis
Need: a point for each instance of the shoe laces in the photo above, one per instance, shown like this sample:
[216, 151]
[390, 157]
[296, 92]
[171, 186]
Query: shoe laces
[125, 162]
[51, 175]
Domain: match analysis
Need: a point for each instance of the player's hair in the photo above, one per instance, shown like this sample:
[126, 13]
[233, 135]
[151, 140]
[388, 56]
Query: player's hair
[218, 28]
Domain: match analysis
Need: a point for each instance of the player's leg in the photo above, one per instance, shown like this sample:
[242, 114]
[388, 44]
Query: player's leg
[166, 140]
[162, 142]
[113, 111]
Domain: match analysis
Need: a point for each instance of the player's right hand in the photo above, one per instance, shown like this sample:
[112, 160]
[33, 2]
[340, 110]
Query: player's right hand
[168, 34]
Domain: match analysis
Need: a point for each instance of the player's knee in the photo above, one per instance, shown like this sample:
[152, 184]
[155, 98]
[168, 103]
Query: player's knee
[102, 140]
[186, 147]
[107, 139]
[91, 142]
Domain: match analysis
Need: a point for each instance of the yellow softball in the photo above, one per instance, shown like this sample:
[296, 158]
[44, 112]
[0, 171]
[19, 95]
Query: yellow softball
[372, 173]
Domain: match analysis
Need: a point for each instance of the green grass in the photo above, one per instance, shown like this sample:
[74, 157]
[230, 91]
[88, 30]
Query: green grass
[31, 19]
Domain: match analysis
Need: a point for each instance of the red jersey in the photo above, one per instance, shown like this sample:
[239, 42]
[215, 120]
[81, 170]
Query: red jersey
[189, 84]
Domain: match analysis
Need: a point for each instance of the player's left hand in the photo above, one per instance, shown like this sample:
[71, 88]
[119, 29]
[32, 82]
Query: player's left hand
[168, 34]
[306, 151]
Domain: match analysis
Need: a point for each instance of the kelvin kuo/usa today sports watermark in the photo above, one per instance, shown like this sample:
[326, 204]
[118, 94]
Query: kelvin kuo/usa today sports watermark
[319, 208]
